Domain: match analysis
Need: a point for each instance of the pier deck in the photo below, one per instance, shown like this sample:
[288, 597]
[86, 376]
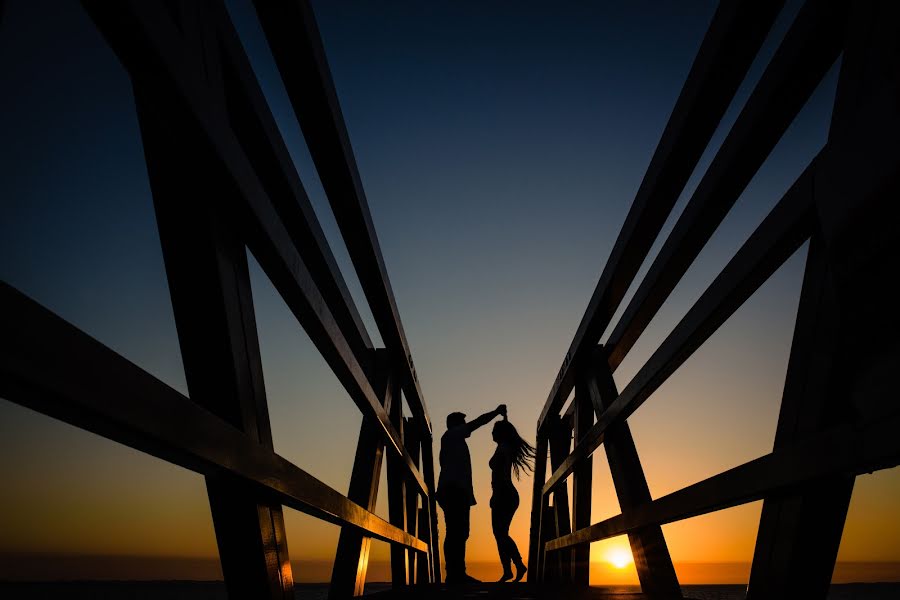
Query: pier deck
[506, 591]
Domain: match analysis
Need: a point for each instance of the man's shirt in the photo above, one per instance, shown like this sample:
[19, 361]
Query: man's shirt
[456, 465]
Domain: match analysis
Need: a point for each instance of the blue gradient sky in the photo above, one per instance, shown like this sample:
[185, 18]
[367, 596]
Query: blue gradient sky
[500, 153]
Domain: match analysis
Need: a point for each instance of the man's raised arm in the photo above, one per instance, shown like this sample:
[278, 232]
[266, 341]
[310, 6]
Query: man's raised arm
[485, 418]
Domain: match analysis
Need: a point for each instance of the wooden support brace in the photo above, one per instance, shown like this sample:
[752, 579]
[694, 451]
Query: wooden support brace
[434, 546]
[538, 501]
[582, 479]
[348, 575]
[423, 562]
[560, 446]
[396, 481]
[648, 545]
[550, 563]
[799, 534]
[413, 446]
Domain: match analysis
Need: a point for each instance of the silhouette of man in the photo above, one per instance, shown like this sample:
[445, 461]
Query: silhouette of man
[454, 491]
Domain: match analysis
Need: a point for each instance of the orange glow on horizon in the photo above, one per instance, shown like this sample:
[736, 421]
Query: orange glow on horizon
[612, 563]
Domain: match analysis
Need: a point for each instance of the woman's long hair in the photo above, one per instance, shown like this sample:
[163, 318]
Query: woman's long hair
[522, 452]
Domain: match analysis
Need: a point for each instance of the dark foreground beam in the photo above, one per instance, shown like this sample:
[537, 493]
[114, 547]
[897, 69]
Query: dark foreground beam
[780, 234]
[732, 41]
[209, 285]
[146, 40]
[849, 450]
[846, 323]
[50, 366]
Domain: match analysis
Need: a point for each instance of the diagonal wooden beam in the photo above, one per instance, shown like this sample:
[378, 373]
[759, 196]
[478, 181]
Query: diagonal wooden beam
[351, 560]
[648, 545]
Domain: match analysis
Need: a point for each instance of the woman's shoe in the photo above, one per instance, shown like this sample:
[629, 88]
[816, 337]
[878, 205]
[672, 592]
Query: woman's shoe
[520, 571]
[507, 575]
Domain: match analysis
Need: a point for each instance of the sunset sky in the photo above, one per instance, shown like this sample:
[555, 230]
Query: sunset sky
[500, 151]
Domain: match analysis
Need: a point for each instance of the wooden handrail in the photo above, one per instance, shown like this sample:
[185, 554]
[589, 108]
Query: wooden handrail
[52, 367]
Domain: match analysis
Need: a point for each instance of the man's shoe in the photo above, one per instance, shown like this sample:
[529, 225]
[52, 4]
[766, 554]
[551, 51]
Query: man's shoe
[507, 575]
[455, 580]
[460, 579]
[520, 571]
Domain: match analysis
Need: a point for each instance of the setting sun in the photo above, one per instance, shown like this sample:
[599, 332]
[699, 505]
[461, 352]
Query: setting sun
[619, 558]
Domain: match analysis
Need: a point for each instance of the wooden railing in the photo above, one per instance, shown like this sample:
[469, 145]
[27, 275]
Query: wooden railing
[222, 183]
[838, 417]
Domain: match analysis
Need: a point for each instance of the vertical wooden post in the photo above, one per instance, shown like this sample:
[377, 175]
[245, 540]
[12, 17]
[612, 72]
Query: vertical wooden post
[536, 541]
[434, 544]
[396, 481]
[799, 534]
[549, 566]
[348, 575]
[648, 545]
[582, 478]
[846, 309]
[411, 442]
[206, 266]
[423, 561]
[560, 447]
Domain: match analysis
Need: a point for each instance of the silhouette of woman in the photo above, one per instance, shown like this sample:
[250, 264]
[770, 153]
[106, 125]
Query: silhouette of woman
[513, 455]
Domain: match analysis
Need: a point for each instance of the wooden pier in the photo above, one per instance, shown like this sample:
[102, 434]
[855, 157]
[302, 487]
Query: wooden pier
[223, 182]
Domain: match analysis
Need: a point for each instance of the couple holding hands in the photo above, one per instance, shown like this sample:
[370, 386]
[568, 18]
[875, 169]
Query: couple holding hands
[456, 496]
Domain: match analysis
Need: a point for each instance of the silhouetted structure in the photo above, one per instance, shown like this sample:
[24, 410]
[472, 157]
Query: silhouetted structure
[839, 415]
[222, 179]
[222, 182]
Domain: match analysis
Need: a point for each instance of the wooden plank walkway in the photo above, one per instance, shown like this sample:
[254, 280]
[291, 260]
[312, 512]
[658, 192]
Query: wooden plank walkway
[505, 591]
